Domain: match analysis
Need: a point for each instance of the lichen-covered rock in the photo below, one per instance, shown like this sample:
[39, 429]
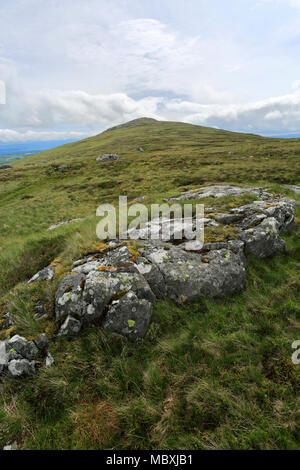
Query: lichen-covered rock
[68, 298]
[102, 287]
[108, 157]
[264, 240]
[70, 327]
[129, 316]
[26, 349]
[42, 341]
[21, 368]
[283, 210]
[192, 276]
[46, 274]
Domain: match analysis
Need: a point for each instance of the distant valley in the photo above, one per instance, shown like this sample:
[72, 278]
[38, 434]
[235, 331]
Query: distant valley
[11, 152]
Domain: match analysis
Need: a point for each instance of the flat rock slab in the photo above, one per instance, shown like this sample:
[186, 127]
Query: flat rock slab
[219, 190]
[66, 222]
[295, 189]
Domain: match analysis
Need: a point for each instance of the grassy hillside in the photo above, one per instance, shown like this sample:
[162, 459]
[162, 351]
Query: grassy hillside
[211, 375]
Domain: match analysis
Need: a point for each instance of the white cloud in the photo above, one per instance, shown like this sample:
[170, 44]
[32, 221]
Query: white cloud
[78, 66]
[277, 113]
[10, 136]
[72, 108]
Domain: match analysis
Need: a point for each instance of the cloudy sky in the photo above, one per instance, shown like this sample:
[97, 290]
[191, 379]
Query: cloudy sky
[72, 68]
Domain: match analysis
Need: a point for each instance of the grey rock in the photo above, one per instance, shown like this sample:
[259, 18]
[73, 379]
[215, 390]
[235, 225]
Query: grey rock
[264, 240]
[46, 274]
[295, 189]
[251, 221]
[70, 327]
[26, 349]
[21, 368]
[8, 321]
[227, 219]
[68, 297]
[13, 446]
[283, 210]
[108, 157]
[66, 222]
[140, 149]
[102, 287]
[49, 360]
[216, 191]
[129, 317]
[42, 341]
[190, 276]
[153, 276]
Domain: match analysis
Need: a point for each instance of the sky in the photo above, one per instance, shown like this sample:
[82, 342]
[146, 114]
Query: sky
[72, 68]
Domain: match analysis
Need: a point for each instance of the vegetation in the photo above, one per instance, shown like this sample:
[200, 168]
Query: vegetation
[215, 374]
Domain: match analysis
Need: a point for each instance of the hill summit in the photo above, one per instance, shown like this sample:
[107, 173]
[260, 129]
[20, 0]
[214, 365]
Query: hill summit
[134, 123]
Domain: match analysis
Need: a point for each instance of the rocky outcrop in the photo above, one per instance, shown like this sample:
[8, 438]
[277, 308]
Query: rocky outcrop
[108, 157]
[117, 288]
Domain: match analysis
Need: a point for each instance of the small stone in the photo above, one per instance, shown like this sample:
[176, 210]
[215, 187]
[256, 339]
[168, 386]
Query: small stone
[70, 327]
[21, 368]
[42, 341]
[46, 274]
[49, 360]
[13, 446]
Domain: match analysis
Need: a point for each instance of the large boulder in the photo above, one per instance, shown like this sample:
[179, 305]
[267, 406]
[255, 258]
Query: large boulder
[190, 276]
